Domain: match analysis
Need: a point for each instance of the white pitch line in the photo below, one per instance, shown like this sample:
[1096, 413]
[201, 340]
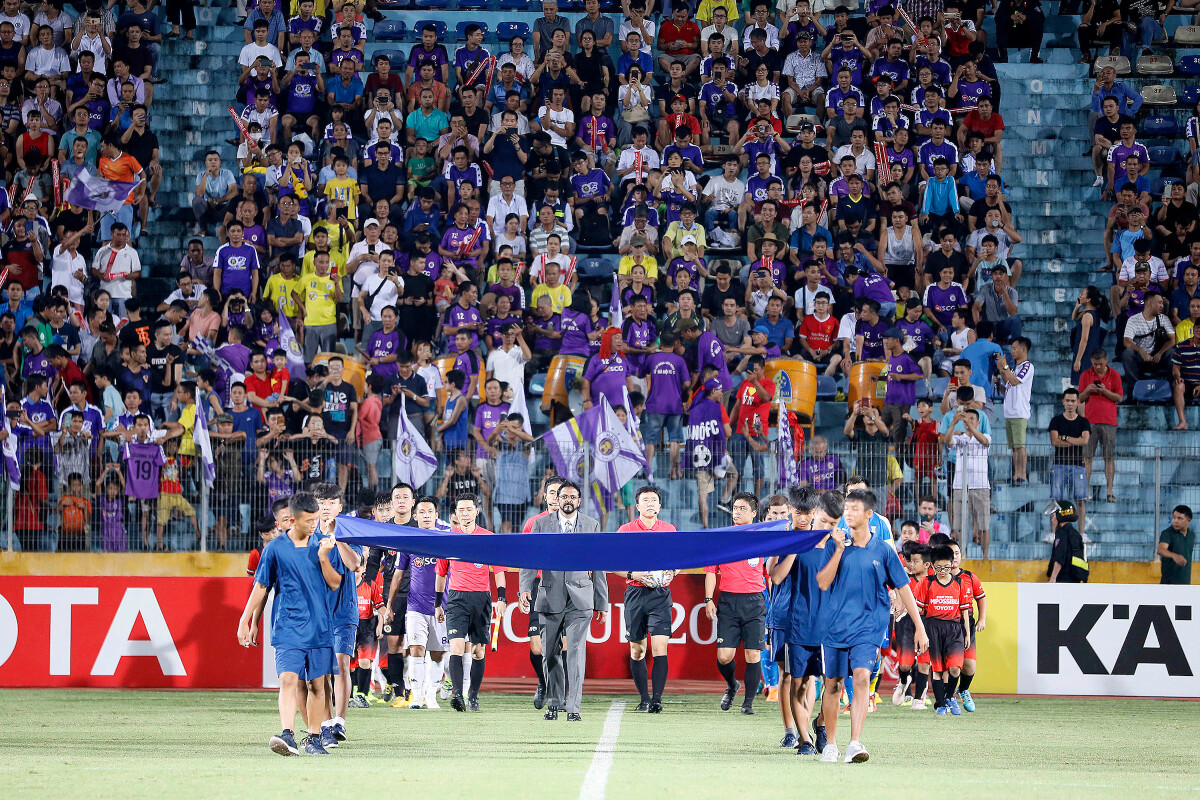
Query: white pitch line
[596, 779]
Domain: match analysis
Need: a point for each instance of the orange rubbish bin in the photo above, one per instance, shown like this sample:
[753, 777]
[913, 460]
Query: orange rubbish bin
[564, 372]
[795, 385]
[861, 385]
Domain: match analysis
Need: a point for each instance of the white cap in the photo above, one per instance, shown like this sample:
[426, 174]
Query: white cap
[689, 239]
[370, 222]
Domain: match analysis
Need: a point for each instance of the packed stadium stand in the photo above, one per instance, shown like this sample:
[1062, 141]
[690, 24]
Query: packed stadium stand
[1051, 217]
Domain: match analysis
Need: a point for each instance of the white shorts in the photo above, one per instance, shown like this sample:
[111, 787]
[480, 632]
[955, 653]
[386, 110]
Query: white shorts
[423, 630]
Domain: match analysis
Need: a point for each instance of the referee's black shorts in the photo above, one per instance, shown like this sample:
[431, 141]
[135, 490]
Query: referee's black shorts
[742, 618]
[647, 612]
[468, 616]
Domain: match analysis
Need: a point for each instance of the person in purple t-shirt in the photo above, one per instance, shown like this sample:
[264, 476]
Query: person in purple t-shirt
[666, 376]
[576, 325]
[944, 298]
[428, 52]
[608, 372]
[708, 351]
[873, 286]
[235, 265]
[385, 345]
[820, 469]
[640, 334]
[463, 316]
[707, 432]
[869, 331]
[901, 374]
[488, 415]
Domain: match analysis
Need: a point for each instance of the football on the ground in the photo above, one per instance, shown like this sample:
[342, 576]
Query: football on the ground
[659, 578]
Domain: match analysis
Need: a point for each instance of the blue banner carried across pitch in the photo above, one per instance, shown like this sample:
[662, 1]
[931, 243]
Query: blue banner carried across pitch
[615, 552]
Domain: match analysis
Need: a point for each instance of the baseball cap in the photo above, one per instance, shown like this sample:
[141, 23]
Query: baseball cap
[711, 383]
[225, 418]
[808, 126]
[689, 239]
[760, 329]
[894, 333]
[1141, 266]
[1066, 511]
[804, 35]
[370, 222]
[680, 98]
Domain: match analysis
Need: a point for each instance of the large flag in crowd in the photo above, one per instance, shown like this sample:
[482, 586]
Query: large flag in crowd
[614, 454]
[789, 474]
[12, 468]
[413, 461]
[616, 318]
[204, 443]
[288, 344]
[97, 193]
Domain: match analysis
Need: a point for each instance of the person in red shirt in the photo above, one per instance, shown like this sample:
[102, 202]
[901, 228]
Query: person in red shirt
[550, 494]
[974, 588]
[910, 688]
[924, 443]
[258, 386]
[751, 421]
[1100, 391]
[647, 608]
[944, 603]
[740, 613]
[679, 41]
[469, 608]
[818, 334]
[370, 627]
[984, 121]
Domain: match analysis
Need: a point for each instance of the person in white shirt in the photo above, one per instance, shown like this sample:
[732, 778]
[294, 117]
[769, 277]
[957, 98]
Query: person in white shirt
[21, 25]
[723, 194]
[364, 255]
[555, 119]
[971, 446]
[806, 296]
[1018, 381]
[117, 265]
[637, 21]
[507, 201]
[628, 161]
[377, 291]
[70, 268]
[553, 255]
[91, 38]
[506, 363]
[720, 25]
[761, 24]
[47, 61]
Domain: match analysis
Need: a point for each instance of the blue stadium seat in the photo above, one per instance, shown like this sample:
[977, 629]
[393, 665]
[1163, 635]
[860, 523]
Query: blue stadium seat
[460, 30]
[537, 384]
[1156, 390]
[826, 387]
[431, 4]
[594, 268]
[1189, 65]
[436, 23]
[506, 31]
[464, 5]
[392, 5]
[939, 388]
[1164, 155]
[1164, 125]
[389, 30]
[1190, 96]
[516, 5]
[1157, 184]
[923, 390]
[395, 57]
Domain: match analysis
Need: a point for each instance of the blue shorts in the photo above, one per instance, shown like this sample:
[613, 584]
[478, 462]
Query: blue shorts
[343, 639]
[307, 662]
[779, 647]
[653, 424]
[840, 662]
[1068, 483]
[805, 661]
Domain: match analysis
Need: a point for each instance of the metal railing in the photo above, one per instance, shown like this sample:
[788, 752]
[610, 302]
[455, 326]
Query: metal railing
[52, 513]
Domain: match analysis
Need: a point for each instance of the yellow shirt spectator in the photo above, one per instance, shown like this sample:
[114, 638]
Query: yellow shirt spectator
[320, 301]
[705, 11]
[187, 418]
[560, 296]
[1183, 331]
[675, 232]
[343, 192]
[281, 288]
[649, 262]
[337, 264]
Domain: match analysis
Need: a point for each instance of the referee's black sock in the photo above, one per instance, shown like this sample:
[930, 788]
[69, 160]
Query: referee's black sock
[535, 659]
[920, 681]
[753, 679]
[727, 673]
[939, 692]
[952, 686]
[476, 675]
[964, 682]
[638, 668]
[658, 676]
[456, 673]
[364, 681]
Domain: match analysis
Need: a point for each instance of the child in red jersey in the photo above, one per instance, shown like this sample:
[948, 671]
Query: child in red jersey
[944, 602]
[910, 688]
[924, 443]
[975, 588]
[370, 627]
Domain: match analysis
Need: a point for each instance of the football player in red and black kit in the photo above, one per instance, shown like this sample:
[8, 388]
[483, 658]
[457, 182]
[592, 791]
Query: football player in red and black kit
[550, 494]
[916, 562]
[971, 582]
[944, 602]
[741, 612]
[647, 608]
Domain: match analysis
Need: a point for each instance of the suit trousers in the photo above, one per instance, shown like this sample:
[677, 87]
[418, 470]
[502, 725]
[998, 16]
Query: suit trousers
[575, 623]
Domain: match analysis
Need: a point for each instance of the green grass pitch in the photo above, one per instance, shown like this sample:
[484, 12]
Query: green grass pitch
[94, 744]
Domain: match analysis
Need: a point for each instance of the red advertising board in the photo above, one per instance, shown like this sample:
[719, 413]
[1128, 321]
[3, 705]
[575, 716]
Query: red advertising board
[136, 632]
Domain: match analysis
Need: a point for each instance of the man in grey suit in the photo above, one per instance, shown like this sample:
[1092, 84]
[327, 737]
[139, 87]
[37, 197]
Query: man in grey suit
[565, 603]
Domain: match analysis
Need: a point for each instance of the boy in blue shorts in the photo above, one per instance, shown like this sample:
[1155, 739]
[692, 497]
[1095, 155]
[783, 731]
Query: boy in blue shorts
[859, 570]
[343, 612]
[302, 571]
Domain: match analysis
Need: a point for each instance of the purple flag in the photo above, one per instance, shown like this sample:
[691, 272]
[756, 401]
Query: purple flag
[614, 455]
[413, 462]
[616, 318]
[287, 342]
[11, 467]
[99, 194]
[789, 475]
[202, 440]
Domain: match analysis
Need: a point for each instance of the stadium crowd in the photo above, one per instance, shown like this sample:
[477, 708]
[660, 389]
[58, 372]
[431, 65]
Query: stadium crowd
[771, 183]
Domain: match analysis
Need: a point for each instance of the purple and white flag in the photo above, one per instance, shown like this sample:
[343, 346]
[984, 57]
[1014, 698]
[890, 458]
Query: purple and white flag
[287, 342]
[789, 474]
[204, 442]
[614, 455]
[616, 318]
[12, 468]
[97, 193]
[413, 461]
[635, 427]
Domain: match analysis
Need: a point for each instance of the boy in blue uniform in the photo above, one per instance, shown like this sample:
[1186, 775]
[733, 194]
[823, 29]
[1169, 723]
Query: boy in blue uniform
[779, 609]
[302, 571]
[343, 613]
[858, 572]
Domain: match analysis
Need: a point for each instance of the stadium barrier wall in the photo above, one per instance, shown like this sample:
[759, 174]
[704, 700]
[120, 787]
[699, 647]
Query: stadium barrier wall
[179, 633]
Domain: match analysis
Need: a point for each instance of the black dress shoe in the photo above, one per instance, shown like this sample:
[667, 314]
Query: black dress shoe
[551, 714]
[539, 698]
[656, 707]
[748, 710]
[573, 717]
[643, 706]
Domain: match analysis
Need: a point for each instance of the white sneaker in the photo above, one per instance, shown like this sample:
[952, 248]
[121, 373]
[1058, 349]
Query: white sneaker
[856, 753]
[431, 698]
[1098, 182]
[898, 693]
[918, 705]
[830, 754]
